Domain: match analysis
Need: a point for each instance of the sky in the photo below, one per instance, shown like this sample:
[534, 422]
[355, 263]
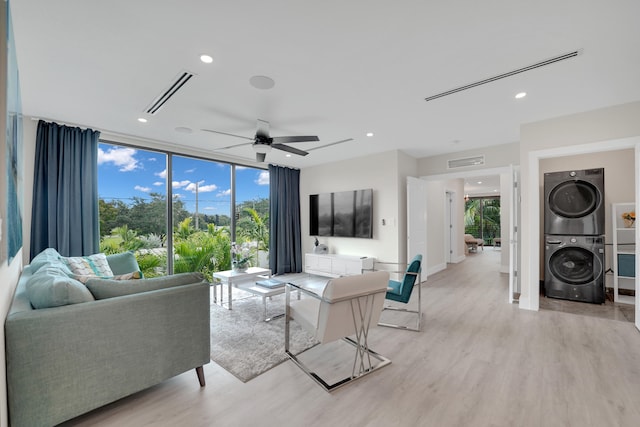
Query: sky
[124, 173]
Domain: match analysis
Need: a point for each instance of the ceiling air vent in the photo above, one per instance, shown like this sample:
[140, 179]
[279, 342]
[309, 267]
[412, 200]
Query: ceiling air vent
[507, 74]
[467, 161]
[171, 90]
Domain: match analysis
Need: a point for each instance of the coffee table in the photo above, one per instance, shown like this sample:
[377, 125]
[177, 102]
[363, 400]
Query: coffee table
[231, 277]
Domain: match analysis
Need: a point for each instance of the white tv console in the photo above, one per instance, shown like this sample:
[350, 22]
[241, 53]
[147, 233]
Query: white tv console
[333, 265]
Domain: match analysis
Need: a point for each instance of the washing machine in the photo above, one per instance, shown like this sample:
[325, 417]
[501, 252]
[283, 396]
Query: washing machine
[574, 268]
[574, 202]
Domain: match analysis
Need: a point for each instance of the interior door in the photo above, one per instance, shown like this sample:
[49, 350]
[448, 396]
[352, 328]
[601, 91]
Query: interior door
[450, 235]
[417, 219]
[514, 233]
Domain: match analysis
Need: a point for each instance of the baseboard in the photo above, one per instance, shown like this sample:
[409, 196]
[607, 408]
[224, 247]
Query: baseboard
[457, 259]
[436, 268]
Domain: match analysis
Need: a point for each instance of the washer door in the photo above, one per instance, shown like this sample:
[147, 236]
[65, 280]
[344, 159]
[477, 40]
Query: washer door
[575, 265]
[574, 199]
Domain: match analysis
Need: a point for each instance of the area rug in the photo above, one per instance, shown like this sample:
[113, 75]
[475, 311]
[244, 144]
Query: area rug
[247, 346]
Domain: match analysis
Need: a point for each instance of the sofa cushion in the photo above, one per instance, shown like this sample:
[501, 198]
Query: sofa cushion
[50, 286]
[84, 267]
[109, 288]
[123, 263]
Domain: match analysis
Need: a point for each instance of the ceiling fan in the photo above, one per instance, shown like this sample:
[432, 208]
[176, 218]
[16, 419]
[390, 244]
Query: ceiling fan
[262, 143]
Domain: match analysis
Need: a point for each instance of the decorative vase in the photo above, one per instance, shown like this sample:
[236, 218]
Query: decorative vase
[240, 268]
[628, 223]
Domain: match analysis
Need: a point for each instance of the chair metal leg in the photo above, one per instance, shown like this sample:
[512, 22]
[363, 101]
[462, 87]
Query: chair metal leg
[418, 327]
[362, 364]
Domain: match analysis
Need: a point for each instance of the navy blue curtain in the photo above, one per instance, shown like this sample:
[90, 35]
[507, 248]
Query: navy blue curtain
[285, 240]
[65, 191]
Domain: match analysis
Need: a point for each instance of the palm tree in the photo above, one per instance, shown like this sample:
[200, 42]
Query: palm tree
[482, 217]
[255, 229]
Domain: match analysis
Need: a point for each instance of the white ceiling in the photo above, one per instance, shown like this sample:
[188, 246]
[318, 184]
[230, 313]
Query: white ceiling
[341, 68]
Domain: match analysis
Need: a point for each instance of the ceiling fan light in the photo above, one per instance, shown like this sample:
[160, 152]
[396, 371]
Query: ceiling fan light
[261, 148]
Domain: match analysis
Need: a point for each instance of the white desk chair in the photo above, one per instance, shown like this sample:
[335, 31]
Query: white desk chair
[348, 306]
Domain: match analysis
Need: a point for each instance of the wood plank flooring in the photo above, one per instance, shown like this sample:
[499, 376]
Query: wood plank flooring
[479, 361]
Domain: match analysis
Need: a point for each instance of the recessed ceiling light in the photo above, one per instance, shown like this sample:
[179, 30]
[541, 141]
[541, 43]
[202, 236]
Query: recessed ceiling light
[262, 82]
[521, 95]
[206, 59]
[369, 133]
[479, 182]
[142, 120]
[495, 191]
[287, 155]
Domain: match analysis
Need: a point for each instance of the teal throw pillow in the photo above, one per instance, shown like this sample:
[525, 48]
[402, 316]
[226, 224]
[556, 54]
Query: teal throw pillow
[45, 257]
[109, 288]
[86, 267]
[51, 287]
[123, 263]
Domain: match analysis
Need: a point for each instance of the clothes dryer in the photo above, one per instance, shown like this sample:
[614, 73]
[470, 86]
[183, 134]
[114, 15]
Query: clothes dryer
[574, 202]
[574, 268]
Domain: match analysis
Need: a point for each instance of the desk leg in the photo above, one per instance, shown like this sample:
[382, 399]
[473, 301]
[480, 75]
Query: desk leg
[229, 286]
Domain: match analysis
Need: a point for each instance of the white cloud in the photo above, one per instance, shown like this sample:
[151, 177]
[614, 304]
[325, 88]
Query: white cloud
[190, 170]
[143, 189]
[224, 193]
[263, 179]
[180, 184]
[152, 159]
[201, 188]
[162, 174]
[123, 157]
[210, 208]
[158, 183]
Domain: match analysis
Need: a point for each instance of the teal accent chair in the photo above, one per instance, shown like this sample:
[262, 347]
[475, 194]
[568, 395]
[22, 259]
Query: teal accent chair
[400, 291]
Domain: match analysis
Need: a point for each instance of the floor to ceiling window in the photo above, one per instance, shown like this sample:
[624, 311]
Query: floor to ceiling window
[134, 210]
[133, 205]
[482, 218]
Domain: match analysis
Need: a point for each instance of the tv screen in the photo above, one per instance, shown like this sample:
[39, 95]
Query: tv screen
[342, 214]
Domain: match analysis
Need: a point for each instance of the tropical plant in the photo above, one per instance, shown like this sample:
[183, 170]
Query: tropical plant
[255, 228]
[482, 217]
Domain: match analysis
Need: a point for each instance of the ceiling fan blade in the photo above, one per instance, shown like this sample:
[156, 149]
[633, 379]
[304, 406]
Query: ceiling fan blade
[329, 145]
[288, 139]
[228, 134]
[260, 157]
[262, 128]
[289, 149]
[233, 146]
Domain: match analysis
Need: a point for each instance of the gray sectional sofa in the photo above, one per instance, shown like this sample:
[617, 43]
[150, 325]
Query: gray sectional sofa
[90, 348]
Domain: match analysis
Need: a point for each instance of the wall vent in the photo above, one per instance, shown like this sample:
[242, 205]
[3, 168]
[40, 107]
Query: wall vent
[465, 162]
[507, 74]
[177, 83]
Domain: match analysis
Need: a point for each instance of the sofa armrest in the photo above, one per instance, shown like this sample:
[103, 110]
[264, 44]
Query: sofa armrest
[65, 361]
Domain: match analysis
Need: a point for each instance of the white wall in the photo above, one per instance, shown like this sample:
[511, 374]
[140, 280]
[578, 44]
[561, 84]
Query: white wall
[593, 127]
[495, 156]
[385, 173]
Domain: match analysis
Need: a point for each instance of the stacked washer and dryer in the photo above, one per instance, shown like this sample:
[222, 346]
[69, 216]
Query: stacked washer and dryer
[574, 235]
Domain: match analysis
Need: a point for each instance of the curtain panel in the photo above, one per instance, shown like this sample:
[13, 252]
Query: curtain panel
[285, 241]
[65, 191]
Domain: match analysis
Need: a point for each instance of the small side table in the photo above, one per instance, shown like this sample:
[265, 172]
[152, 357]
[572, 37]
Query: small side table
[230, 276]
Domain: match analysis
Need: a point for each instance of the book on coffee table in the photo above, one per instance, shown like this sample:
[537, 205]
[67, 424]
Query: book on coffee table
[270, 283]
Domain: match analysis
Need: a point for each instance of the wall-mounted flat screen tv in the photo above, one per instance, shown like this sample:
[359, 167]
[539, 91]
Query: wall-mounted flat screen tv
[342, 214]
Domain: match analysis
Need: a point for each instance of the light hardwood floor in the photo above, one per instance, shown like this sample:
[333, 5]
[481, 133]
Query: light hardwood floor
[466, 368]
